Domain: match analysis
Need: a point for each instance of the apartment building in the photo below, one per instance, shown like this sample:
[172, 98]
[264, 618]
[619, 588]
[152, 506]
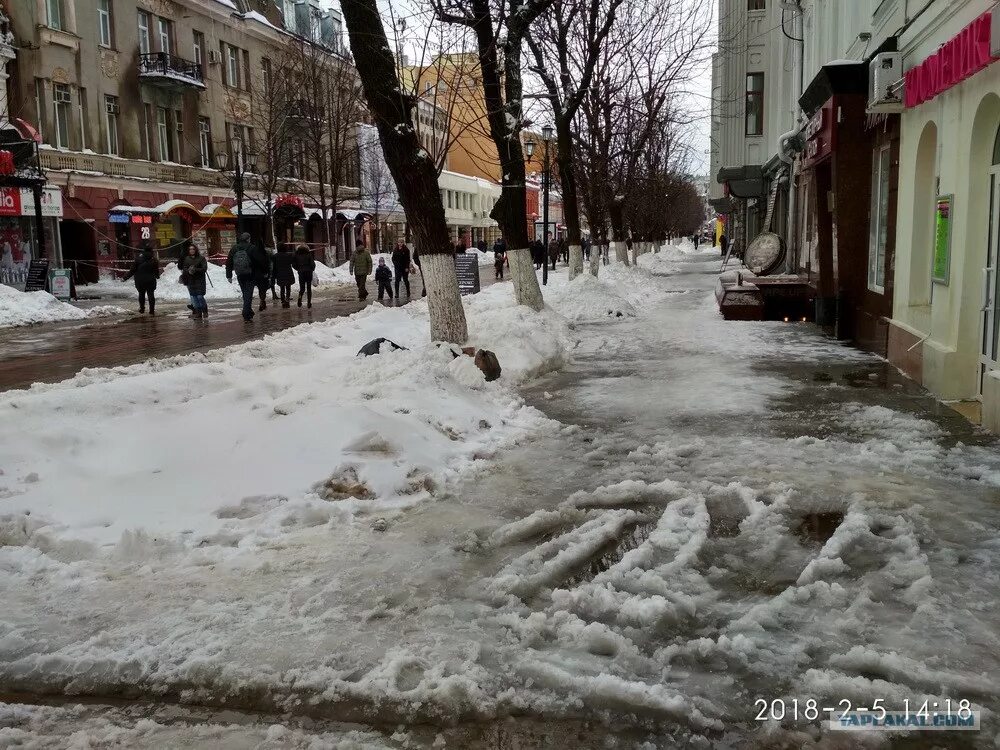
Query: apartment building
[133, 104]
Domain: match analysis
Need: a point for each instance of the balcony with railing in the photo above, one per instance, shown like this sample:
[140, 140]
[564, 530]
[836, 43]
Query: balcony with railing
[170, 71]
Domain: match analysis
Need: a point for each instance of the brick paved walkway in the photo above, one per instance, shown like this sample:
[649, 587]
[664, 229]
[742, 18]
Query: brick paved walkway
[58, 351]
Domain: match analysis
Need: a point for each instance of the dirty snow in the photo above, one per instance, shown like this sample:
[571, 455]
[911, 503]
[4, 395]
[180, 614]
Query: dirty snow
[19, 308]
[694, 522]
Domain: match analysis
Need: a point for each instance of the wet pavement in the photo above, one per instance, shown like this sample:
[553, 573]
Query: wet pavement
[53, 352]
[724, 513]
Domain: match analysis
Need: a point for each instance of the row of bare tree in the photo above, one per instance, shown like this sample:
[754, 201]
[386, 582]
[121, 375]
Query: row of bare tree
[610, 75]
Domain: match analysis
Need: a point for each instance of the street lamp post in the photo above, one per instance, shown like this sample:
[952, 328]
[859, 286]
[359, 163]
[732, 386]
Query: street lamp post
[529, 147]
[240, 159]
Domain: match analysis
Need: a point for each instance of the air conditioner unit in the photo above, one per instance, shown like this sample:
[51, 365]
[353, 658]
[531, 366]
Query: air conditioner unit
[885, 88]
[214, 57]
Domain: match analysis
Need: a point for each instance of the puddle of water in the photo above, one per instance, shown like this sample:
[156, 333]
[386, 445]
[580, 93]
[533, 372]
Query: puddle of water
[819, 527]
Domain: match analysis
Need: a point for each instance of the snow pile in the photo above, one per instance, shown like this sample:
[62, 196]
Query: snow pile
[588, 299]
[26, 308]
[169, 287]
[659, 263]
[367, 432]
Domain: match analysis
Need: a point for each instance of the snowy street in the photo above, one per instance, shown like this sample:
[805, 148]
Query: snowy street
[652, 520]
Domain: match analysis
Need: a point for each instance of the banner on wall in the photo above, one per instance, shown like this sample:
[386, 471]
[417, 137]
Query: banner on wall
[942, 239]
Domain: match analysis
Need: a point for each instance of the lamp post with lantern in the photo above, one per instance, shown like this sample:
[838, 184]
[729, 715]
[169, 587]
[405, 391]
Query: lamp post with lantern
[242, 158]
[529, 147]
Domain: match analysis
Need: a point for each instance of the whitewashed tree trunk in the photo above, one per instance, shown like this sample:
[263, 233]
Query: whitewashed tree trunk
[575, 261]
[596, 251]
[621, 251]
[522, 272]
[443, 299]
[635, 251]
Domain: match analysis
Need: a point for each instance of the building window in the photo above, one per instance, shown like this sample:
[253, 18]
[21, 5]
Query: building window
[755, 104]
[104, 22]
[81, 96]
[144, 44]
[111, 112]
[756, 4]
[199, 50]
[147, 131]
[165, 31]
[205, 141]
[878, 222]
[265, 69]
[178, 132]
[162, 134]
[449, 198]
[53, 9]
[60, 114]
[246, 70]
[232, 57]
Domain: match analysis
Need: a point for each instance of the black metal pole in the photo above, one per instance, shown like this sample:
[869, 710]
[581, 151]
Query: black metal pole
[545, 217]
[39, 224]
[239, 202]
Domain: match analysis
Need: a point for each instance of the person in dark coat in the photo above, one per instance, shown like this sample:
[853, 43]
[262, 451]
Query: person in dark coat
[305, 266]
[499, 257]
[284, 277]
[416, 262]
[194, 274]
[246, 265]
[262, 276]
[724, 244]
[383, 277]
[553, 252]
[481, 245]
[145, 271]
[401, 266]
[538, 253]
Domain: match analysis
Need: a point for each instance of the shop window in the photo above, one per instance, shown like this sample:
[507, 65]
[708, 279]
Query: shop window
[145, 47]
[61, 100]
[755, 104]
[111, 113]
[878, 222]
[104, 22]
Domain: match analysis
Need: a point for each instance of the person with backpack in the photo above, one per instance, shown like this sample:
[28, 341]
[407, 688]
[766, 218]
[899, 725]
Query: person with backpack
[194, 273]
[383, 277]
[145, 270]
[361, 266]
[305, 266]
[401, 266]
[241, 262]
[284, 277]
[262, 272]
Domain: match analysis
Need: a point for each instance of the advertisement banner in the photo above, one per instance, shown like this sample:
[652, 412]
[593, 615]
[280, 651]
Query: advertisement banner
[10, 201]
[51, 202]
[59, 283]
[942, 239]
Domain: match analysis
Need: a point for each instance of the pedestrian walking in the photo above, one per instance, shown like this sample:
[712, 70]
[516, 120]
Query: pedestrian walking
[553, 252]
[416, 262]
[538, 253]
[145, 271]
[499, 257]
[281, 272]
[383, 277]
[262, 272]
[245, 264]
[585, 246]
[305, 266]
[564, 249]
[271, 279]
[361, 266]
[695, 238]
[724, 244]
[401, 266]
[194, 275]
[481, 245]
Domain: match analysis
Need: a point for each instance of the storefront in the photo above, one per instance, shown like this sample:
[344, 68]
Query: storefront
[945, 328]
[19, 231]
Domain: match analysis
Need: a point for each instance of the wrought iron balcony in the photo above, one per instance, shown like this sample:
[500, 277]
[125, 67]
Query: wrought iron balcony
[170, 71]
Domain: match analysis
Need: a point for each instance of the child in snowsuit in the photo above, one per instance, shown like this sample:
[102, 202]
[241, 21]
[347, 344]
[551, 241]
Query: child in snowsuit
[383, 277]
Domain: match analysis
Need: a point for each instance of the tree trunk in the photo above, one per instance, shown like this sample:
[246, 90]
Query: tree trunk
[571, 205]
[595, 258]
[411, 167]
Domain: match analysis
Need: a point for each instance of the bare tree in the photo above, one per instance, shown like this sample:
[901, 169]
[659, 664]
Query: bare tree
[567, 44]
[499, 33]
[411, 167]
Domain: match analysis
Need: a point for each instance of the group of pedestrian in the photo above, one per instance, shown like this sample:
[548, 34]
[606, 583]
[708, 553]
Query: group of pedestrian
[257, 271]
[403, 265]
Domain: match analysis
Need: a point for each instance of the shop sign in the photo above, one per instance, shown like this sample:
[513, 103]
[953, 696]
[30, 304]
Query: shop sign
[820, 135]
[957, 59]
[942, 239]
[51, 202]
[59, 283]
[10, 202]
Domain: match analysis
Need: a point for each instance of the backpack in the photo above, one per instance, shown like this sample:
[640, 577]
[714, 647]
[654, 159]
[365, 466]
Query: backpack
[242, 264]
